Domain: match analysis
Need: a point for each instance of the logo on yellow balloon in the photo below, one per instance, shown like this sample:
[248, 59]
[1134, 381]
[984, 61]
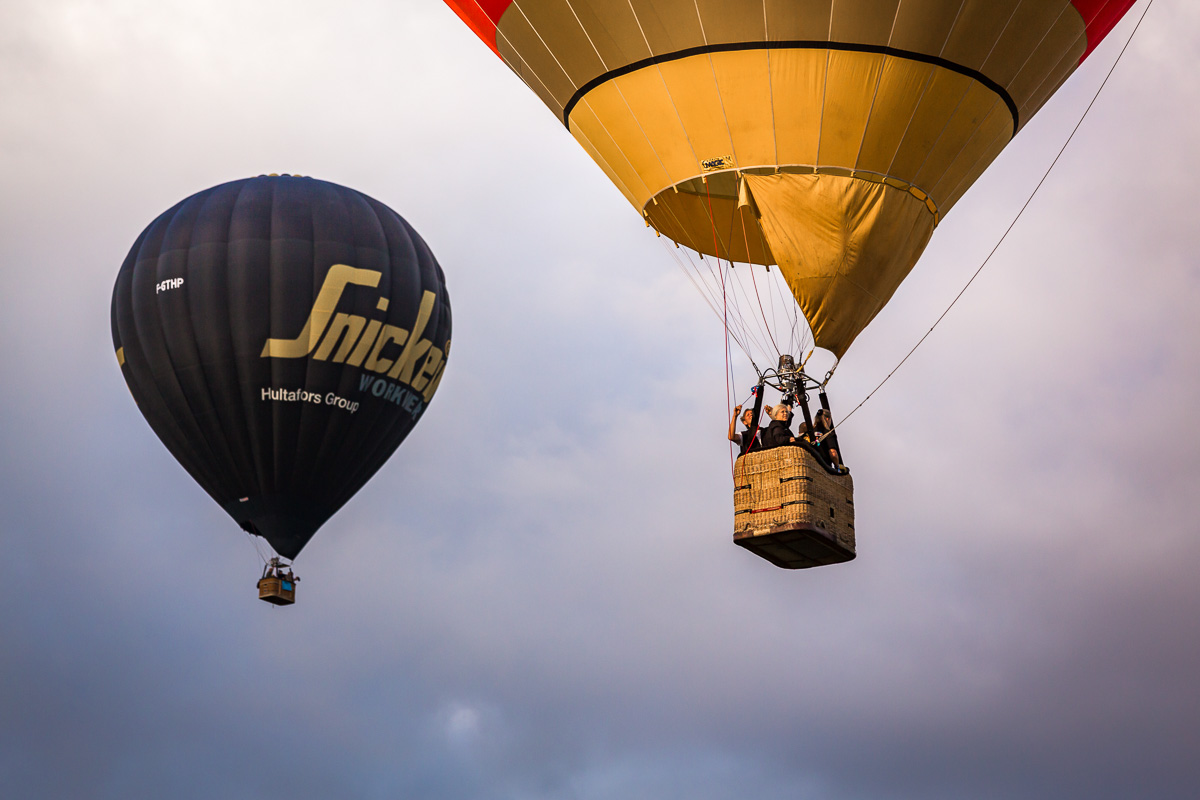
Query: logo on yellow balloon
[719, 162]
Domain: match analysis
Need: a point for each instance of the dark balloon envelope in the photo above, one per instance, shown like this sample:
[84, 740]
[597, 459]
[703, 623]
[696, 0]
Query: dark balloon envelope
[281, 335]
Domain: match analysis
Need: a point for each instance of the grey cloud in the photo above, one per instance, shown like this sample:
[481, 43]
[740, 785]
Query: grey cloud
[538, 597]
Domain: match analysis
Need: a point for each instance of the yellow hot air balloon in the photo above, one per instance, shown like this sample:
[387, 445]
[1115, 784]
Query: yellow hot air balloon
[829, 137]
[848, 128]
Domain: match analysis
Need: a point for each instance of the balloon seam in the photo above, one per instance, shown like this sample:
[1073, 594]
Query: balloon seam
[793, 45]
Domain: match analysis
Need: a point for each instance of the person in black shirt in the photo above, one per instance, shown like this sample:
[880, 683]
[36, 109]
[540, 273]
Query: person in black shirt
[748, 440]
[826, 438]
[779, 432]
[803, 432]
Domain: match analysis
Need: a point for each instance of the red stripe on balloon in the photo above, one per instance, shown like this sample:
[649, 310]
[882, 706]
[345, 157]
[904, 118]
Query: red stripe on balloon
[1099, 17]
[481, 16]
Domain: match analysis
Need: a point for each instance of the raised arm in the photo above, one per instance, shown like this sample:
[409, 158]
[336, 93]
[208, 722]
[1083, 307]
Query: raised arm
[733, 435]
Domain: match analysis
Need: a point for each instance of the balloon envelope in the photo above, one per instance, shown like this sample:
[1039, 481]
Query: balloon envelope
[827, 137]
[281, 335]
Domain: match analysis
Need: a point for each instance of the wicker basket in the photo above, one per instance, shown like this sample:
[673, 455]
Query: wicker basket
[279, 591]
[790, 510]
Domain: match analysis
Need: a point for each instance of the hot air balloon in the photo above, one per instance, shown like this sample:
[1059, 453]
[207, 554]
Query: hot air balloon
[829, 137]
[282, 336]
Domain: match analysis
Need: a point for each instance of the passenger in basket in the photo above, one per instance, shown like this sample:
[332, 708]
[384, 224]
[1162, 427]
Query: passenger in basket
[749, 439]
[779, 432]
[803, 433]
[826, 438]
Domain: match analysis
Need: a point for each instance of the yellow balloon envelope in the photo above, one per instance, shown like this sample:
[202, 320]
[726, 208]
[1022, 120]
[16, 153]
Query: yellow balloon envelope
[826, 136]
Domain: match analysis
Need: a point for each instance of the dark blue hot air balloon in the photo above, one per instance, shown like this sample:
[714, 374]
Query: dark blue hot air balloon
[281, 335]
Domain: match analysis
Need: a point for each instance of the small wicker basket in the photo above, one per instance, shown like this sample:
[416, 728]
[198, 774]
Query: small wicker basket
[279, 591]
[792, 511]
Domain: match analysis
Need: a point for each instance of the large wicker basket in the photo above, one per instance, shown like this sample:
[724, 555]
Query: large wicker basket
[792, 511]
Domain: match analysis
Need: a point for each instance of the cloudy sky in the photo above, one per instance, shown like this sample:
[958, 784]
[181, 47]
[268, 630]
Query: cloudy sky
[538, 597]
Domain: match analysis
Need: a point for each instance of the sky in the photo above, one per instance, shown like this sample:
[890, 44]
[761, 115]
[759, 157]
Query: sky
[537, 597]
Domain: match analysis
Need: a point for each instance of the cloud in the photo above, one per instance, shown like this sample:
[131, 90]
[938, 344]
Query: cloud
[538, 597]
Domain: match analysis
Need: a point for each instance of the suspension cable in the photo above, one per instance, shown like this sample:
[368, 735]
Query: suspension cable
[728, 375]
[743, 335]
[746, 240]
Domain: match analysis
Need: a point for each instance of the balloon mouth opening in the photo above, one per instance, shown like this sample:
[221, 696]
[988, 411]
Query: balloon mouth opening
[691, 211]
[286, 522]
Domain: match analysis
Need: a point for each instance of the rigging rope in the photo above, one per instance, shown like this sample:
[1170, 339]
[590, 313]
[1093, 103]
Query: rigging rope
[1011, 224]
[757, 296]
[258, 549]
[728, 372]
[745, 338]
